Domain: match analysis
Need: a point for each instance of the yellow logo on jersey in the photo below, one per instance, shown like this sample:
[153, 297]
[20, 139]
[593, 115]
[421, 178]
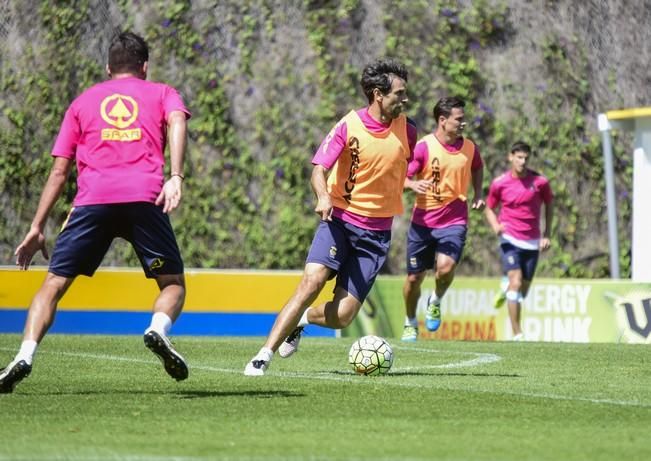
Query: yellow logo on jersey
[156, 264]
[120, 111]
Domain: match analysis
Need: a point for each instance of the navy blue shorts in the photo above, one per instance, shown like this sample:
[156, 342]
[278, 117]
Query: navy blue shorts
[514, 258]
[423, 243]
[89, 230]
[355, 254]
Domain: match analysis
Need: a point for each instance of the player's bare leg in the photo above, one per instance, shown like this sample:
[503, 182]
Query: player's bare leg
[411, 291]
[335, 314]
[167, 308]
[314, 279]
[443, 275]
[513, 298]
[39, 319]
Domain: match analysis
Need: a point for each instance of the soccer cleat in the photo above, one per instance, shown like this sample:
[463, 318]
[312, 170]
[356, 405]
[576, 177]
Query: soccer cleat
[290, 345]
[173, 362]
[433, 317]
[518, 337]
[409, 334]
[256, 367]
[499, 299]
[14, 373]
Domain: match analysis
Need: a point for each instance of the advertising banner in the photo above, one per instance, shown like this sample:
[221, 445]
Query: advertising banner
[567, 310]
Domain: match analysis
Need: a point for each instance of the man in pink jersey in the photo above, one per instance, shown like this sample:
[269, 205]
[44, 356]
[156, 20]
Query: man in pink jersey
[520, 193]
[116, 133]
[444, 165]
[358, 175]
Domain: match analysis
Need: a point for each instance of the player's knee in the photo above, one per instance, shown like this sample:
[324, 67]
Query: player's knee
[53, 288]
[416, 278]
[344, 312]
[346, 317]
[445, 270]
[312, 283]
[515, 285]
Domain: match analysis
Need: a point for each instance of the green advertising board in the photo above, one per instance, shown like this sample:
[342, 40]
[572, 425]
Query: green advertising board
[568, 310]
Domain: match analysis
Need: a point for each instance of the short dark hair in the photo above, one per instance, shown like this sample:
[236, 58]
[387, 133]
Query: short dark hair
[380, 75]
[445, 105]
[520, 146]
[127, 53]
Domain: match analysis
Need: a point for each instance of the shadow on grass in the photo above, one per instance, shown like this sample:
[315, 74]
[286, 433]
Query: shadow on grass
[431, 373]
[259, 394]
[181, 394]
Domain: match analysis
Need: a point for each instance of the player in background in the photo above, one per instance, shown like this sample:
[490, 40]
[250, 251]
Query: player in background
[116, 132]
[444, 165]
[520, 193]
[358, 176]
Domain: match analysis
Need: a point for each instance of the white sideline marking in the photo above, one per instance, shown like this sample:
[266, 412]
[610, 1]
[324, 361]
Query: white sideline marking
[122, 457]
[482, 359]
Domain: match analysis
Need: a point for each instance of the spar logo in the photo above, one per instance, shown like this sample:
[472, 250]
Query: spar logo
[120, 111]
[633, 314]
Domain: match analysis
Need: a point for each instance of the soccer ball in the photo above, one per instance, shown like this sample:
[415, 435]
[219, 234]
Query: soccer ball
[370, 355]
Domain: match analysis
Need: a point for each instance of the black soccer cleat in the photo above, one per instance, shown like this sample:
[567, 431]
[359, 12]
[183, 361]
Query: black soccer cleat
[12, 375]
[173, 362]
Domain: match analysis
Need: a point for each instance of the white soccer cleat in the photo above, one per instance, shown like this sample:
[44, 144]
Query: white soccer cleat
[290, 344]
[519, 337]
[256, 367]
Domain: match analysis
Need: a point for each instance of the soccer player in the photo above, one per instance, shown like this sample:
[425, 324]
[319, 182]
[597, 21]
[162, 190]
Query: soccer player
[358, 176]
[444, 165]
[116, 132]
[520, 193]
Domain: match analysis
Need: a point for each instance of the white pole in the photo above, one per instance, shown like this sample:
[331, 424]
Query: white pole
[611, 204]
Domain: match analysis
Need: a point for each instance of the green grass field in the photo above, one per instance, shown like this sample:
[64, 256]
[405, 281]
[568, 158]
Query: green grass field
[108, 398]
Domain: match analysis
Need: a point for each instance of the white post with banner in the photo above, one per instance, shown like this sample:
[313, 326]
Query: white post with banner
[639, 121]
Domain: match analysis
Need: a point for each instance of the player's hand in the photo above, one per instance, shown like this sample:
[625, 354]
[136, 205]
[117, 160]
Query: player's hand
[545, 243]
[33, 242]
[324, 208]
[421, 186]
[478, 204]
[170, 196]
[499, 230]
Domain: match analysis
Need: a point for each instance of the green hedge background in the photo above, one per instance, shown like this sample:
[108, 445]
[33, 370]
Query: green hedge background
[266, 80]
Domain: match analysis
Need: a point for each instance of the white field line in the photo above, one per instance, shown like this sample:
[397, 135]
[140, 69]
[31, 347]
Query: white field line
[480, 359]
[124, 457]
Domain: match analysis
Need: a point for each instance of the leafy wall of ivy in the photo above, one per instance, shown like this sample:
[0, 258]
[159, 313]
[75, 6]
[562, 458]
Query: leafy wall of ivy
[266, 80]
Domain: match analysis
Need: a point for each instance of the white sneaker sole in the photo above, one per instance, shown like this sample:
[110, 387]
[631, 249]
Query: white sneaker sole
[250, 370]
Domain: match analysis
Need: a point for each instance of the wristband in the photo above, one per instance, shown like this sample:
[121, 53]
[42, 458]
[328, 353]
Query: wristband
[179, 175]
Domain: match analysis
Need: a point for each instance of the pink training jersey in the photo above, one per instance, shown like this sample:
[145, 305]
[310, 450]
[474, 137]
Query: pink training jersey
[453, 213]
[521, 200]
[334, 144]
[116, 131]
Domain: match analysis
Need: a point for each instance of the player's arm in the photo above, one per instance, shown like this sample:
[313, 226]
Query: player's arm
[319, 186]
[477, 180]
[170, 196]
[35, 238]
[491, 217]
[545, 241]
[415, 166]
[492, 202]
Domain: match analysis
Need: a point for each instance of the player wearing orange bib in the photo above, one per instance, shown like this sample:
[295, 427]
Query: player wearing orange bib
[443, 167]
[358, 177]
